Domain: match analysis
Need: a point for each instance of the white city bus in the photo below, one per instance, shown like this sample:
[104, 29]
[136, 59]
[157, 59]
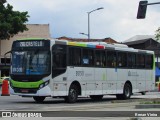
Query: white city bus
[43, 68]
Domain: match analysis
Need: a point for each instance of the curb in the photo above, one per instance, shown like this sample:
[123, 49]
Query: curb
[142, 106]
[133, 100]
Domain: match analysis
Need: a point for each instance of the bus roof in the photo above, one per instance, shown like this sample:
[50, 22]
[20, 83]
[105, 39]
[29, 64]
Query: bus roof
[33, 39]
[98, 45]
[103, 45]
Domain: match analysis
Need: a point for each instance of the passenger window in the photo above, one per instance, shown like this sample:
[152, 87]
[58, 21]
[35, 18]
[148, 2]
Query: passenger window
[111, 59]
[100, 58]
[87, 58]
[122, 59]
[131, 60]
[74, 56]
[140, 61]
[149, 61]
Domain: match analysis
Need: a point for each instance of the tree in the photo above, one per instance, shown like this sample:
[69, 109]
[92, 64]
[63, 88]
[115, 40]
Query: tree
[157, 35]
[2, 1]
[11, 22]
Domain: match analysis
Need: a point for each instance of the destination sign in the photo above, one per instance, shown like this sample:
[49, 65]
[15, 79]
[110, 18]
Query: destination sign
[31, 44]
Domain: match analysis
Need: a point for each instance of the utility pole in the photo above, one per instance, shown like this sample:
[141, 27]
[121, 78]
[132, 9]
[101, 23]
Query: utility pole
[89, 20]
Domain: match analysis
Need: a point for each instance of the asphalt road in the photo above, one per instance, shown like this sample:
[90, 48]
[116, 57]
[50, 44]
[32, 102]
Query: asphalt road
[109, 103]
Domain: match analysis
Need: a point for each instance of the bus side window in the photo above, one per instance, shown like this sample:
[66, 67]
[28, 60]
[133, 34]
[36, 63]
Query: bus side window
[122, 59]
[87, 58]
[59, 56]
[131, 60]
[111, 59]
[149, 61]
[74, 56]
[100, 58]
[140, 61]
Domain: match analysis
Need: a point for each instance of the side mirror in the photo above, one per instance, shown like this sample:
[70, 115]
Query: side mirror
[9, 52]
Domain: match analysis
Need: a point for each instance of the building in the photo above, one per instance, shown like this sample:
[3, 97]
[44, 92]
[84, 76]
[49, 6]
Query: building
[34, 31]
[107, 40]
[144, 42]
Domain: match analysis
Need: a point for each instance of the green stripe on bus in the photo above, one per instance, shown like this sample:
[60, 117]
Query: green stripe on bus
[26, 84]
[154, 67]
[81, 45]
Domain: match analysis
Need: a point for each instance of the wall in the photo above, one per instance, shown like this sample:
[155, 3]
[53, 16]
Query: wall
[35, 31]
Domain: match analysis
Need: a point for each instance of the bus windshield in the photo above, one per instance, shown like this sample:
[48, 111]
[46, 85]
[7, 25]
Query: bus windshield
[31, 62]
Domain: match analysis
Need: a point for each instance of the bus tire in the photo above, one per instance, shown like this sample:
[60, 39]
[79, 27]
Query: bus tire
[39, 99]
[72, 95]
[127, 92]
[96, 97]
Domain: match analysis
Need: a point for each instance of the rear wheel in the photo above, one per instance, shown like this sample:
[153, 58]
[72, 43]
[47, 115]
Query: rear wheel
[39, 99]
[127, 92]
[72, 95]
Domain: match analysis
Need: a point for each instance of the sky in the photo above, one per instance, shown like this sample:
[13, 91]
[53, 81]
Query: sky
[69, 17]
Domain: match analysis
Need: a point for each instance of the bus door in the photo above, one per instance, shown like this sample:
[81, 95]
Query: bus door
[59, 68]
[111, 72]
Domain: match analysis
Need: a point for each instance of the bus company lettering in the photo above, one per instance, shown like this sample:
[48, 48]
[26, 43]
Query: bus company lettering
[132, 73]
[88, 74]
[31, 44]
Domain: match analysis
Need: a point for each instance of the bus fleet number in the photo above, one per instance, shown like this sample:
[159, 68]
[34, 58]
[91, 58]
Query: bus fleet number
[79, 73]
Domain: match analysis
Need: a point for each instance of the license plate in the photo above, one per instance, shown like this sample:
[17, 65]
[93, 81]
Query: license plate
[24, 90]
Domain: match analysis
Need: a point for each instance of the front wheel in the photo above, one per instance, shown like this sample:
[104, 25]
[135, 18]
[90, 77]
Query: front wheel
[72, 95]
[39, 99]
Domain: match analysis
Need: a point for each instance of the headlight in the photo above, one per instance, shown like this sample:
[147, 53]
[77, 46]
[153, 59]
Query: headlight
[44, 84]
[41, 86]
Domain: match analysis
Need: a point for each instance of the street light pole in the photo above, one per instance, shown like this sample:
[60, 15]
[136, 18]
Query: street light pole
[89, 20]
[84, 34]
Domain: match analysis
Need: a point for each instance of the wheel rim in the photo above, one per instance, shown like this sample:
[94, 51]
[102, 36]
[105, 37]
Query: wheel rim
[73, 94]
[127, 91]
